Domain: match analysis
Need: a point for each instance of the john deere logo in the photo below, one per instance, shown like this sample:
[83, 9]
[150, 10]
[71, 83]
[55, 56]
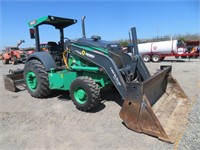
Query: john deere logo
[83, 52]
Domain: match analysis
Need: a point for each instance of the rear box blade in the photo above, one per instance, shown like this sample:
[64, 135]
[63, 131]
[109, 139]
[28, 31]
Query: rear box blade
[14, 82]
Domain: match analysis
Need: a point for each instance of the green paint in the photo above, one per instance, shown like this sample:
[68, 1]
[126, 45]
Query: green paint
[58, 22]
[80, 96]
[31, 80]
[99, 77]
[36, 22]
[80, 68]
[61, 80]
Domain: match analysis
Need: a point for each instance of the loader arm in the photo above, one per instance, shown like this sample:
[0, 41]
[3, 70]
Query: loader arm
[107, 64]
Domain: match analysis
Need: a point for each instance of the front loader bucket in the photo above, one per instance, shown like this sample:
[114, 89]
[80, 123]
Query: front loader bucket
[14, 82]
[157, 107]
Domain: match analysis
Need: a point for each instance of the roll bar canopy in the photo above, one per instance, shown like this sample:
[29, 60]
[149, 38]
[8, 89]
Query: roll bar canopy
[57, 22]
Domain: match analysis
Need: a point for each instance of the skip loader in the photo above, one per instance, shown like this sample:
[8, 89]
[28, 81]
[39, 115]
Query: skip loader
[155, 105]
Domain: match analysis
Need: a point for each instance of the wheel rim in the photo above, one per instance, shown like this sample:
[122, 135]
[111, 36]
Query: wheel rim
[156, 58]
[80, 96]
[146, 58]
[31, 80]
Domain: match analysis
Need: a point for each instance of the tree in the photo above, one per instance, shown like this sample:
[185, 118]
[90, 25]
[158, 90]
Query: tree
[123, 42]
[183, 37]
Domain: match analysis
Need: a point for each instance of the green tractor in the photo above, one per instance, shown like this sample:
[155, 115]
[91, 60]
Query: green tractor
[85, 66]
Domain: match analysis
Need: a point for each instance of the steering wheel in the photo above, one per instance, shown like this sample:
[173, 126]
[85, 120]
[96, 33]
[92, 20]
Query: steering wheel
[67, 41]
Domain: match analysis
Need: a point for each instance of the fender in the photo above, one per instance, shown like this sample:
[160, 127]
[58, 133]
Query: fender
[46, 59]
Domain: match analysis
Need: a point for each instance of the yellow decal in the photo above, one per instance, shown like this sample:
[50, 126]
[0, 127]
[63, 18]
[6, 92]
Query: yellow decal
[83, 52]
[61, 75]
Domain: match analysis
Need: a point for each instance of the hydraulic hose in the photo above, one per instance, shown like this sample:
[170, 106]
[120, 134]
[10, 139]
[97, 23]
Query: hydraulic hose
[65, 58]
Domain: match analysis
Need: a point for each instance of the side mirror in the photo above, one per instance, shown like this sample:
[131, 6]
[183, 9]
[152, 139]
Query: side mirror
[32, 33]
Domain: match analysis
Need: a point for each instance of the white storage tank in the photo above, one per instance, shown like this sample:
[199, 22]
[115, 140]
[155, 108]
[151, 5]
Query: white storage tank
[162, 49]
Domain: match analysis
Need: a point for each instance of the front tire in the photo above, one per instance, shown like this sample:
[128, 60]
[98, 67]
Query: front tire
[85, 93]
[5, 61]
[36, 79]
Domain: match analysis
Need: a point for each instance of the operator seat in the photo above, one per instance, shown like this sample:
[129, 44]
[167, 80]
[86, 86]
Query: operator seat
[55, 51]
[52, 46]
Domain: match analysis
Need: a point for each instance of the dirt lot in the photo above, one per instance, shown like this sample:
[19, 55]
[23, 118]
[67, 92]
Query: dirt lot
[54, 123]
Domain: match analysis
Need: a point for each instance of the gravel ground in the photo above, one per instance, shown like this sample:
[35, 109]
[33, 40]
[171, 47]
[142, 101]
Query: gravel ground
[54, 123]
[191, 138]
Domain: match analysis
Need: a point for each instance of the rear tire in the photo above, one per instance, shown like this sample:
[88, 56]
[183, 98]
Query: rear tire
[146, 58]
[36, 79]
[14, 60]
[85, 93]
[156, 58]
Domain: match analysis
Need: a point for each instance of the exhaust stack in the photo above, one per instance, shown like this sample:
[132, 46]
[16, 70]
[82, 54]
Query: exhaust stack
[83, 26]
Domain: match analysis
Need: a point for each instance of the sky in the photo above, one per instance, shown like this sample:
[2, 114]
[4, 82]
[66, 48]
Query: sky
[111, 20]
